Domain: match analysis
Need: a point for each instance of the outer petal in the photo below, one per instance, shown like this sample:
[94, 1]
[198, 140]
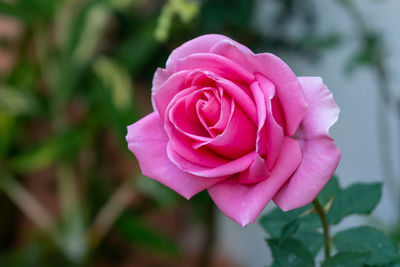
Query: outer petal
[288, 88]
[201, 44]
[243, 203]
[165, 92]
[322, 112]
[222, 66]
[320, 155]
[320, 159]
[148, 141]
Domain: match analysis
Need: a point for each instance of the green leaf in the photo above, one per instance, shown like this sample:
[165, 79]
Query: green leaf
[356, 199]
[274, 221]
[366, 239]
[395, 263]
[347, 259]
[312, 239]
[290, 253]
[134, 230]
[290, 229]
[49, 152]
[330, 190]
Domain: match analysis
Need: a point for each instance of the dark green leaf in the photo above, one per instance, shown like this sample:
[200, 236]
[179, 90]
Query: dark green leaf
[395, 263]
[290, 229]
[274, 221]
[347, 259]
[330, 190]
[366, 239]
[356, 199]
[313, 240]
[290, 253]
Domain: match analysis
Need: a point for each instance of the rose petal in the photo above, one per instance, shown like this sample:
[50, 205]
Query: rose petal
[322, 112]
[269, 135]
[209, 110]
[228, 168]
[240, 97]
[258, 169]
[320, 159]
[239, 93]
[237, 139]
[243, 203]
[320, 155]
[160, 77]
[187, 116]
[182, 143]
[288, 88]
[188, 123]
[274, 130]
[217, 64]
[147, 140]
[164, 93]
[201, 44]
[225, 113]
[256, 172]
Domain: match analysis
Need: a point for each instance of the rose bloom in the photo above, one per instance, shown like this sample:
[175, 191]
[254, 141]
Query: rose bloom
[239, 124]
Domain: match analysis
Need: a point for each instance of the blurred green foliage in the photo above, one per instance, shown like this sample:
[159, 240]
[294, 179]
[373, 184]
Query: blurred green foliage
[82, 72]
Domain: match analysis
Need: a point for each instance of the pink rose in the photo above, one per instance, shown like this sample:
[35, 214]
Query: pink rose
[238, 124]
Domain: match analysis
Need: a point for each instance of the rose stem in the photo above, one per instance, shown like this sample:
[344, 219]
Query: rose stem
[325, 226]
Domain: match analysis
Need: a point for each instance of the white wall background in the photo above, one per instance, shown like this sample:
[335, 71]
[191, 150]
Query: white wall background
[356, 132]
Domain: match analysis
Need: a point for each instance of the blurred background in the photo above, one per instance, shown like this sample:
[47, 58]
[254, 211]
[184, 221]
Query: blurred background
[75, 73]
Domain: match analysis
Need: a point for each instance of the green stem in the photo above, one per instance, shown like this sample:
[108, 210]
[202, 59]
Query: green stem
[325, 226]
